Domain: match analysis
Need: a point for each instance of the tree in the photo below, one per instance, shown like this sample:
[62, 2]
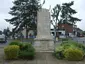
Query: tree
[63, 14]
[24, 15]
[6, 32]
[0, 32]
[83, 33]
[67, 12]
[55, 18]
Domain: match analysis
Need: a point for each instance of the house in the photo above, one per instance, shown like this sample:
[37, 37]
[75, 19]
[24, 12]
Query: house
[79, 32]
[67, 27]
[59, 33]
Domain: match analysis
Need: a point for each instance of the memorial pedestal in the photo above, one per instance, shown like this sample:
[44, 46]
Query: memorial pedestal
[44, 40]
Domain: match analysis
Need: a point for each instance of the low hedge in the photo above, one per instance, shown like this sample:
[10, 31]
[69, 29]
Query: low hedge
[11, 52]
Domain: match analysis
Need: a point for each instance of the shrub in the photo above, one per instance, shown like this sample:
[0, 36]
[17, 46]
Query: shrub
[73, 54]
[27, 51]
[70, 50]
[81, 46]
[59, 52]
[11, 51]
[64, 39]
[25, 46]
[19, 50]
[26, 54]
[15, 42]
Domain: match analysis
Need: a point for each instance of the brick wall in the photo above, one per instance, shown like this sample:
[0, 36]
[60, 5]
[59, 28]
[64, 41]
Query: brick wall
[67, 27]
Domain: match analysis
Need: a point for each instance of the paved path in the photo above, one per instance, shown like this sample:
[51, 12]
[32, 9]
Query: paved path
[40, 58]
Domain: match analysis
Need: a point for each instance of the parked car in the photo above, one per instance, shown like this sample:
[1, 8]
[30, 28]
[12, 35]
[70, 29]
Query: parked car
[2, 38]
[81, 35]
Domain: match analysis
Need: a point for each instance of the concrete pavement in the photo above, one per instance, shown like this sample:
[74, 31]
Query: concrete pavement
[41, 58]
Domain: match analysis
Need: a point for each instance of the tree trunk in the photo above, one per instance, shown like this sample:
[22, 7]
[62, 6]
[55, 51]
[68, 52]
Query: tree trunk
[26, 32]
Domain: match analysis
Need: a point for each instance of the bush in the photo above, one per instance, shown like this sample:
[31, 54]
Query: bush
[73, 54]
[27, 51]
[25, 46]
[70, 50]
[15, 42]
[65, 39]
[11, 51]
[26, 54]
[81, 46]
[59, 52]
[19, 50]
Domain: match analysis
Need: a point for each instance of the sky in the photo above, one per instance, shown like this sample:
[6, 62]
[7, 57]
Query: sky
[79, 6]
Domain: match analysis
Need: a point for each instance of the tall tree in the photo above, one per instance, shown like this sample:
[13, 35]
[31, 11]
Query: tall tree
[55, 19]
[6, 32]
[67, 12]
[63, 14]
[24, 14]
[0, 32]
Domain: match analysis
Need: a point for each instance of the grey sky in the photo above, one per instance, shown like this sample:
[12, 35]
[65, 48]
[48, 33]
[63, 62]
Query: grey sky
[79, 6]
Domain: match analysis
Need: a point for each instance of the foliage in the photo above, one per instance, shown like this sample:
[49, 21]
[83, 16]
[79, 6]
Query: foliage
[27, 54]
[59, 52]
[0, 32]
[15, 42]
[26, 51]
[11, 51]
[7, 32]
[67, 12]
[25, 46]
[70, 50]
[63, 14]
[55, 18]
[65, 39]
[24, 14]
[73, 54]
[83, 32]
[72, 43]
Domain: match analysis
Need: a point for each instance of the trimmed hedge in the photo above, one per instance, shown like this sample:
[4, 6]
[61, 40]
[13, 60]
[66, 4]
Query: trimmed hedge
[11, 52]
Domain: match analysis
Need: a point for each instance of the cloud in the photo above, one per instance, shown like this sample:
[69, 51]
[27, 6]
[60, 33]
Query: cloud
[5, 6]
[79, 6]
[3, 23]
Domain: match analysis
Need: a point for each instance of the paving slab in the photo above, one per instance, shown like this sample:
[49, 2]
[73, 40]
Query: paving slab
[40, 58]
[31, 62]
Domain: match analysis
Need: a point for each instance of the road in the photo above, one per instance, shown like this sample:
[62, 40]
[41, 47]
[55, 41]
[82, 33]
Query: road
[80, 39]
[4, 44]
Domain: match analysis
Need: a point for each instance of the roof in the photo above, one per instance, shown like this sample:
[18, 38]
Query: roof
[78, 29]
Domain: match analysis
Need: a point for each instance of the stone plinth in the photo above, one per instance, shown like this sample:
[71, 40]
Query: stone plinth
[44, 40]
